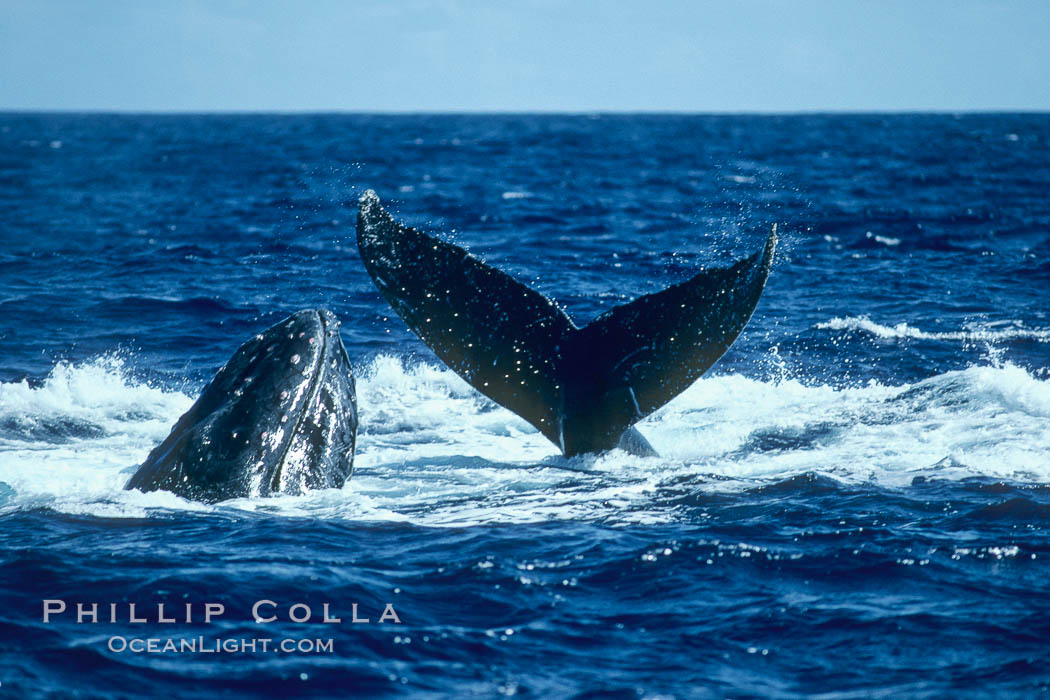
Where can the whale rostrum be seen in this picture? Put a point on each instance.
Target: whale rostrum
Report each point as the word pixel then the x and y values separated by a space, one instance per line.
pixel 279 417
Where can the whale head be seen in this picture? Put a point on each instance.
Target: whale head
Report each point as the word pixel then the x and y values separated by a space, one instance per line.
pixel 279 417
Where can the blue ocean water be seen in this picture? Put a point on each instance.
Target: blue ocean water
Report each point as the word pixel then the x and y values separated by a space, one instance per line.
pixel 854 501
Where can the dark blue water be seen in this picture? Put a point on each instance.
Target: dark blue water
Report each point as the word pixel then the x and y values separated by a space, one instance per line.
pixel 854 501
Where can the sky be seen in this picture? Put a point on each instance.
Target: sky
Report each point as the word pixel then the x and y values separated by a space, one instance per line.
pixel 525 55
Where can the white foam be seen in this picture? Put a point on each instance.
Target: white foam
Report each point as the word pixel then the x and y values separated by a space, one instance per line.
pixel 884 240
pixel 903 330
pixel 98 421
pixel 517 194
pixel 433 451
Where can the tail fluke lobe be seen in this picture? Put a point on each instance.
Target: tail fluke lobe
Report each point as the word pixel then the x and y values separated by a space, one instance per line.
pixel 501 336
pixel 581 388
pixel 635 358
pixel 640 355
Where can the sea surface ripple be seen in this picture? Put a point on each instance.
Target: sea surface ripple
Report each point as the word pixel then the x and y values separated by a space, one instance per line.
pixel 854 501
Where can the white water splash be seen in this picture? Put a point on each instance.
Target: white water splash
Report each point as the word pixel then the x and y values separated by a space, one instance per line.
pixel 433 451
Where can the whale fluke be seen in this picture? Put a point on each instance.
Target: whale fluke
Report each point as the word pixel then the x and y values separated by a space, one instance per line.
pixel 582 388
pixel 279 417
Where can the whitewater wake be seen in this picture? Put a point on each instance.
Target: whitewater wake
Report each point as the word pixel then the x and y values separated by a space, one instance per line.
pixel 433 451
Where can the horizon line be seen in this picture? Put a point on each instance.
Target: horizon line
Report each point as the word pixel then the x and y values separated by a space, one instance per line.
pixel 509 112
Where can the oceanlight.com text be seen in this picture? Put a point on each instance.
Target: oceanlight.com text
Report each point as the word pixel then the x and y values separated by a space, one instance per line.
pixel 219 645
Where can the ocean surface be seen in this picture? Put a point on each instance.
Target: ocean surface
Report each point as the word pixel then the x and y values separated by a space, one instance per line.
pixel 854 502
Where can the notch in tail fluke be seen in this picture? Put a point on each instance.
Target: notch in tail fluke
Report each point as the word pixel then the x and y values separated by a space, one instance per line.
pixel 582 389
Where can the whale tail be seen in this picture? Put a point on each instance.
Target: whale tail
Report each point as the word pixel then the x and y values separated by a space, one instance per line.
pixel 582 388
